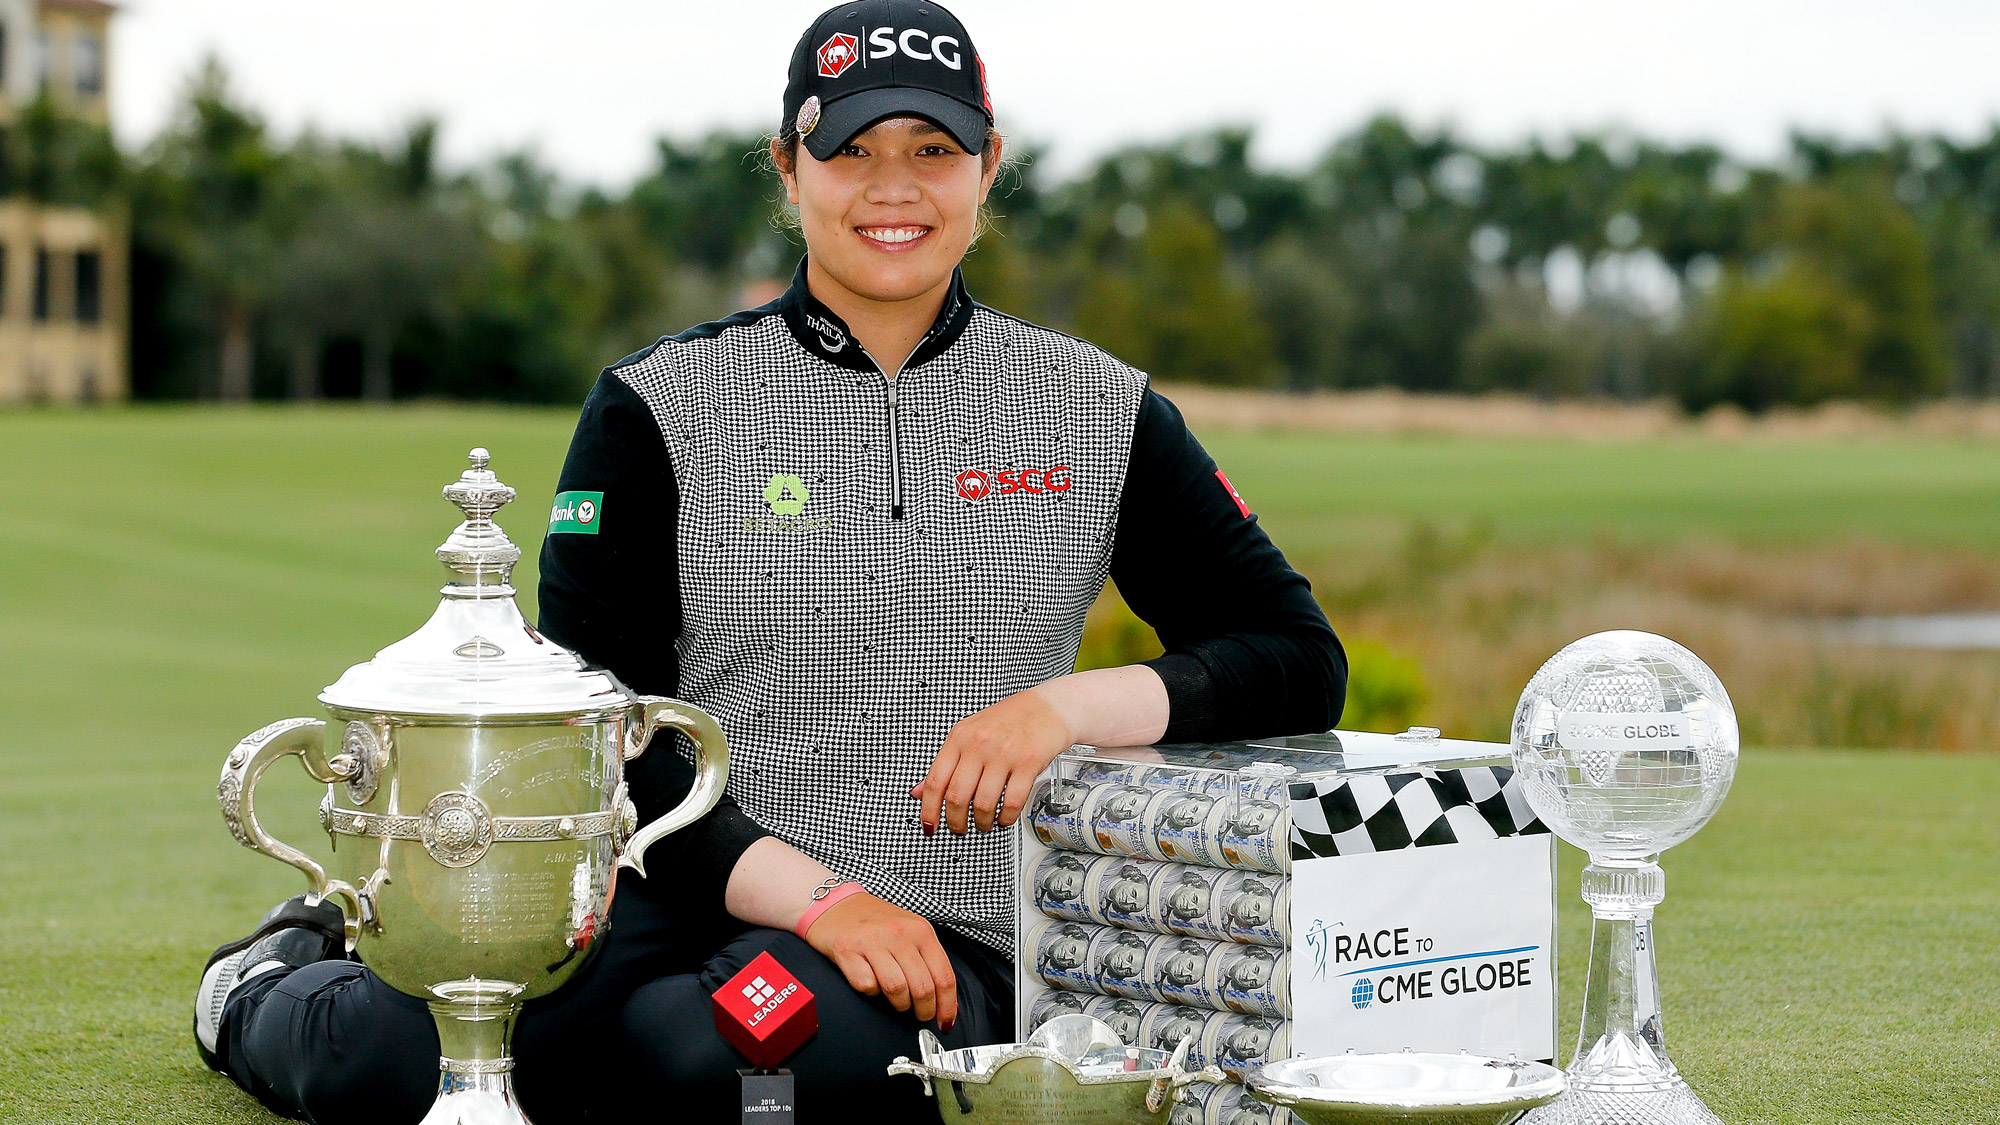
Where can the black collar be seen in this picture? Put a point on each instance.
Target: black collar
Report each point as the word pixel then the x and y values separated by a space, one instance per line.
pixel 825 335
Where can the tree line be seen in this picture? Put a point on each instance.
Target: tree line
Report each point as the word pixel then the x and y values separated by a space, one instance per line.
pixel 1602 264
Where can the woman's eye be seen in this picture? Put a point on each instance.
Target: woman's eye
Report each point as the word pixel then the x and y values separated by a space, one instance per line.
pixel 851 150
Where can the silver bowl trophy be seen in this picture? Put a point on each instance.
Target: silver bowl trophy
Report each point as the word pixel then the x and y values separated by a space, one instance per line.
pixel 476 805
pixel 1626 744
pixel 1074 1070
pixel 1410 1087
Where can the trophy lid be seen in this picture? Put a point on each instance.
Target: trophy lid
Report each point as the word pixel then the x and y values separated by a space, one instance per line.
pixel 477 657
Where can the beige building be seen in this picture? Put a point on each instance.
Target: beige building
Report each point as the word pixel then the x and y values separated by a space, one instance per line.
pixel 64 289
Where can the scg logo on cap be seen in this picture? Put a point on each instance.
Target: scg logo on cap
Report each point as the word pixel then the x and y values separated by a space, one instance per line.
pixel 842 50
pixel 884 41
pixel 837 54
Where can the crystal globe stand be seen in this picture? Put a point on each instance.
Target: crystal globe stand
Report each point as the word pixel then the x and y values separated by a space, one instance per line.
pixel 1621 1074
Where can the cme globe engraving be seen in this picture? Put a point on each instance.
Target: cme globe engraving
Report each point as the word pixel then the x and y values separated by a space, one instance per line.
pixel 1626 743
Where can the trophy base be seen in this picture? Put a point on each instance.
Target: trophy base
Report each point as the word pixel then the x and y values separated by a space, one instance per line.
pixel 1673 1104
pixel 475 1022
pixel 475 1099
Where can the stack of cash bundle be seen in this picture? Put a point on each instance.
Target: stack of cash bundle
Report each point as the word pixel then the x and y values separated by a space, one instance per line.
pixel 1163 908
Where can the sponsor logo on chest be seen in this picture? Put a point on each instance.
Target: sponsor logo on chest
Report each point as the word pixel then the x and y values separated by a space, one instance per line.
pixel 978 484
pixel 785 497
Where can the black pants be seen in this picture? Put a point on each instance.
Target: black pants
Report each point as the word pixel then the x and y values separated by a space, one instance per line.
pixel 630 1039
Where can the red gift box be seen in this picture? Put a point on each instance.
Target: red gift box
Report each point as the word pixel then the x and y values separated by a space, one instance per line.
pixel 765 1012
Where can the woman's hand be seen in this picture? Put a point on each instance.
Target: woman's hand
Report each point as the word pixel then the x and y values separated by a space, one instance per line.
pixel 995 751
pixel 1001 749
pixel 886 950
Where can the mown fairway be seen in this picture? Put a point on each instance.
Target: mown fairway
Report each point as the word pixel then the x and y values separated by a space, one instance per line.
pixel 172 579
pixel 1319 492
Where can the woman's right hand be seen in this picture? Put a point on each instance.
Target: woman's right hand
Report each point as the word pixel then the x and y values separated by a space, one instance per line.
pixel 886 950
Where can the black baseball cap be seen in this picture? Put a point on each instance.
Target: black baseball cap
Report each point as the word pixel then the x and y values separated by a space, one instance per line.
pixel 868 60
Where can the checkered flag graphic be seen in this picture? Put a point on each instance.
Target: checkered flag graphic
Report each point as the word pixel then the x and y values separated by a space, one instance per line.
pixel 1411 808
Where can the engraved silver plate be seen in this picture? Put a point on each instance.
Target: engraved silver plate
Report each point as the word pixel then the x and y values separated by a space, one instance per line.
pixel 1409 1087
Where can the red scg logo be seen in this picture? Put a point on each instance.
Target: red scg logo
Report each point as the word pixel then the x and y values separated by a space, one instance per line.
pixel 837 54
pixel 976 484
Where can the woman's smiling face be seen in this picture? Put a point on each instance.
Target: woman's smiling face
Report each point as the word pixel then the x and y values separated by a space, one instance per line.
pixel 890 215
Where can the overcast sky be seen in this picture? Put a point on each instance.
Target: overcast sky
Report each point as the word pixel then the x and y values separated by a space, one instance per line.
pixel 590 83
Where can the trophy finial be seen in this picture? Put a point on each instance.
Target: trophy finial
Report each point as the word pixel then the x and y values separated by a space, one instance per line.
pixel 477 492
pixel 479 554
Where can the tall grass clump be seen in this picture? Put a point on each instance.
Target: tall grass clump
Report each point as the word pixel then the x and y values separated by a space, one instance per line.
pixel 1447 627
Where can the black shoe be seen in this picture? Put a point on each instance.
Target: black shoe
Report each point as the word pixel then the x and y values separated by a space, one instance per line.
pixel 290 936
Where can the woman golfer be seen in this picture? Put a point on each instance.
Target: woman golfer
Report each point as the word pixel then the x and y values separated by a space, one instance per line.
pixel 860 525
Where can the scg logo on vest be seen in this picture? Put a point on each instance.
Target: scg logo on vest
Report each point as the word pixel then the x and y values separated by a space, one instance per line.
pixel 977 484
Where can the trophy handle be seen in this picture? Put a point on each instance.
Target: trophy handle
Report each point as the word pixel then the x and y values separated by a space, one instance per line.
pixel 711 769
pixel 903 1065
pixel 238 793
pixel 1169 1086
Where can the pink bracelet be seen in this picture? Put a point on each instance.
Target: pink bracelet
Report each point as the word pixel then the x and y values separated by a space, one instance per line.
pixel 824 904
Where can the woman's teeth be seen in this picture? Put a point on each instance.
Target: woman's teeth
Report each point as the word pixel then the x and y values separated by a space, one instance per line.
pixel 893 234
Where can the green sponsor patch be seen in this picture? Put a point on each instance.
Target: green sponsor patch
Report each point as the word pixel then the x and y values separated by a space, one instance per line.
pixel 577 512
pixel 786 494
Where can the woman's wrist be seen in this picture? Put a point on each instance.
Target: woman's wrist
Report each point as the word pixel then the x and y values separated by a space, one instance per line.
pixel 1109 706
pixel 773 883
pixel 825 897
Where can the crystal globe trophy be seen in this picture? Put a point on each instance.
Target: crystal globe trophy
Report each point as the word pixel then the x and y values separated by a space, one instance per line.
pixel 1625 744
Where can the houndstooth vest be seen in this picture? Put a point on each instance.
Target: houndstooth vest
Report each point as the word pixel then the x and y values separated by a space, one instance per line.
pixel 866 562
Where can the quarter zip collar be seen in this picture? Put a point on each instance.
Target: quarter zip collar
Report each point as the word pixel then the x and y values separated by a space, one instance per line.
pixel 825 335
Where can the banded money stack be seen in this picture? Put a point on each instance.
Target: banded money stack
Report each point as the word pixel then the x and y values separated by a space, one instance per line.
pixel 1157 893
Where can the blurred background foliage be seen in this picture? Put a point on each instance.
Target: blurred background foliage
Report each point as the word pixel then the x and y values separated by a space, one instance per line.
pixel 1603 265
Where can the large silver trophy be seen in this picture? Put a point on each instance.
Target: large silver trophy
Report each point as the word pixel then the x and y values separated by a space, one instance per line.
pixel 1626 744
pixel 476 805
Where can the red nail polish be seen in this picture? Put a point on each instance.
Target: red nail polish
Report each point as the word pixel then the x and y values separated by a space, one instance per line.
pixel 930 829
pixel 945 1028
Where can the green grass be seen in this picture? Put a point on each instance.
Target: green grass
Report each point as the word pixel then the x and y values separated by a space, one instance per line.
pixel 1323 493
pixel 172 579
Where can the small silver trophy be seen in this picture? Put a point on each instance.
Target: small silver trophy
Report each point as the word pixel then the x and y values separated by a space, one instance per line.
pixel 476 801
pixel 1074 1070
pixel 1626 744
